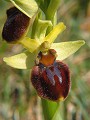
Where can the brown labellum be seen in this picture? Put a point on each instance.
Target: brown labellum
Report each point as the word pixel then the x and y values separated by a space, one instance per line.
pixel 15 25
pixel 51 82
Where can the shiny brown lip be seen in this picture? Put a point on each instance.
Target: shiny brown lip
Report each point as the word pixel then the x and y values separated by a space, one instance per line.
pixel 15 25
pixel 45 88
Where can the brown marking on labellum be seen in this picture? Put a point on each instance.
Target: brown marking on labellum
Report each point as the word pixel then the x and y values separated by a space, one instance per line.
pixel 43 85
pixel 48 58
pixel 15 25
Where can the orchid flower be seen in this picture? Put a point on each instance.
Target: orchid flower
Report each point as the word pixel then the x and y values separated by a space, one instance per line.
pixel 42 75
pixel 49 75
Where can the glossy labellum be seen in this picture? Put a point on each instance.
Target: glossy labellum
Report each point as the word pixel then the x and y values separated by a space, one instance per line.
pixel 15 26
pixel 53 81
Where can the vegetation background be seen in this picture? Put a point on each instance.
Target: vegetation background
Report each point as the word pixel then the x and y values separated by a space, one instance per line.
pixel 18 99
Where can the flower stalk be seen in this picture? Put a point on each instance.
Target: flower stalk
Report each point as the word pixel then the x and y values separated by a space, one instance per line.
pixel 51 109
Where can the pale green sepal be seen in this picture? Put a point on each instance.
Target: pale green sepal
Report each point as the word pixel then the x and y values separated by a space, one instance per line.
pixel 23 60
pixel 30 44
pixel 28 7
pixel 59 28
pixel 65 49
pixel 41 28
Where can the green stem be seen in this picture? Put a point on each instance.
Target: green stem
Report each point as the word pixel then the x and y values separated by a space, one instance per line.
pixel 51 109
pixel 51 13
pixel 52 8
pixel 54 21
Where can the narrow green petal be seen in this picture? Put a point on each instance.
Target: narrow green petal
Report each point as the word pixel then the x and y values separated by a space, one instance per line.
pixel 41 28
pixel 65 49
pixel 59 28
pixel 23 60
pixel 28 7
pixel 30 44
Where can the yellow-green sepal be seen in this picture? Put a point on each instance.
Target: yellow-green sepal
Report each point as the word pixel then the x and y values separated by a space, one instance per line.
pixel 58 29
pixel 23 60
pixel 28 7
pixel 65 49
pixel 30 44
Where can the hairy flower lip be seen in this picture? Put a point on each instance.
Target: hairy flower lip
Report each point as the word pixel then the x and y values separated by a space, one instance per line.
pixel 15 26
pixel 44 87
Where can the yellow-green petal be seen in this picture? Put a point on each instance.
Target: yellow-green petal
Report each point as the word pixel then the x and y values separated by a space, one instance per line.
pixel 65 49
pixel 59 28
pixel 23 60
pixel 28 7
pixel 30 44
pixel 41 28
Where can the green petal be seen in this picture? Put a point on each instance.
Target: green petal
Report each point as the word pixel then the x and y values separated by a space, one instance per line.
pixel 30 44
pixel 65 49
pixel 41 28
pixel 59 28
pixel 28 7
pixel 23 60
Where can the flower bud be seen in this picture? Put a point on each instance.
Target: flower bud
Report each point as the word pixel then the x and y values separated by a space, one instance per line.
pixel 52 81
pixel 15 26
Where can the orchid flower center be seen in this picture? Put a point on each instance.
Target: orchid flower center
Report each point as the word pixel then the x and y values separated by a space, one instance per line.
pixel 45 46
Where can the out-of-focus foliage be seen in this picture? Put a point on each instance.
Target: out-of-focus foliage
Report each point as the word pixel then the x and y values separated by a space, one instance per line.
pixel 76 14
pixel 18 100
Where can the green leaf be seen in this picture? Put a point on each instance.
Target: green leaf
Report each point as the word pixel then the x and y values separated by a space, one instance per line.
pixel 59 28
pixel 28 7
pixel 65 49
pixel 23 60
pixel 80 105
pixel 30 44
pixel 51 110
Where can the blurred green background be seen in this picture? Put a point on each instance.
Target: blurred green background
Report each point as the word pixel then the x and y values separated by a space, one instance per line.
pixel 18 100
